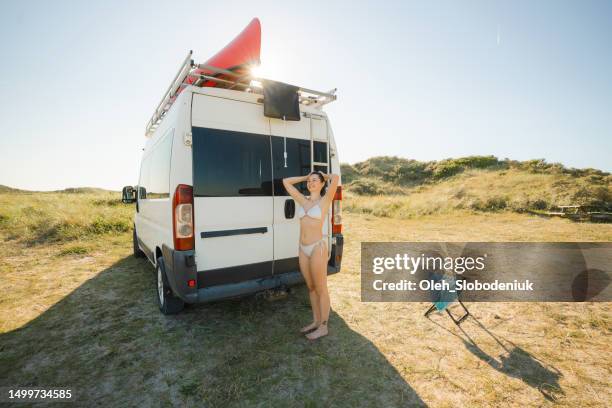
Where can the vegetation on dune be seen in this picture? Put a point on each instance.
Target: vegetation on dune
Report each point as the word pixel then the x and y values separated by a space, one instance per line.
pixel 408 172
pixel 396 186
pixel 82 190
pixel 7 189
pixel 57 217
pixel 382 186
pixel 73 190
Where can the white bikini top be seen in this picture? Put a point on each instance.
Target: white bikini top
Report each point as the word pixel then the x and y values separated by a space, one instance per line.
pixel 313 212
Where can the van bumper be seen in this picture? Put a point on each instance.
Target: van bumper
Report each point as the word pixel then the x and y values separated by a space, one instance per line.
pixel 231 290
pixel 180 268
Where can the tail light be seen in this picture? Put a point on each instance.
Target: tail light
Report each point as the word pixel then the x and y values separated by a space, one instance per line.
pixel 337 212
pixel 182 220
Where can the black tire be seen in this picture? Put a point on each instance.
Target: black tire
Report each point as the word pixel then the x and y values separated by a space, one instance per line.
pixel 166 300
pixel 137 251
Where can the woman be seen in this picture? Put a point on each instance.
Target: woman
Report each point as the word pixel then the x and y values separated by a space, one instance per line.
pixel 312 213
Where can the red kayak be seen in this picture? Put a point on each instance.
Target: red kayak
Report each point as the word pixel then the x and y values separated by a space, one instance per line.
pixel 237 56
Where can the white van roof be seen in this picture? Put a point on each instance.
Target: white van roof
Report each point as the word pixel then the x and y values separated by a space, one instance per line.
pixel 243 84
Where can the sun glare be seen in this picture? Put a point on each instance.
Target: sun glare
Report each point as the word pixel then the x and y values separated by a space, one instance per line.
pixel 256 71
pixel 270 70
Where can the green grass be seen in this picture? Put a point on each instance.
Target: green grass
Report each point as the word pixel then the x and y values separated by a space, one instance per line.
pixel 42 218
pixel 78 310
pixel 74 250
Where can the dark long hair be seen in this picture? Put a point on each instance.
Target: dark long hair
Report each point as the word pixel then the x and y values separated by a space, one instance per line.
pixel 318 173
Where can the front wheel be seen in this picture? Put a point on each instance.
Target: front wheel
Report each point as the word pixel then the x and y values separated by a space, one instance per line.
pixel 166 300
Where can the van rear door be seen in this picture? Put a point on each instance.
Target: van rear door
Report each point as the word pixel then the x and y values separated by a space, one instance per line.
pixel 232 186
pixel 306 145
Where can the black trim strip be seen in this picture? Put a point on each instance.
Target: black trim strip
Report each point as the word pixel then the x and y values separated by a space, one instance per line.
pixel 286 265
pixel 225 233
pixel 234 274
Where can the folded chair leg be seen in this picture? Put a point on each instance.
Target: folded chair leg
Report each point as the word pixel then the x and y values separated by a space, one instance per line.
pixel 431 309
pixel 462 318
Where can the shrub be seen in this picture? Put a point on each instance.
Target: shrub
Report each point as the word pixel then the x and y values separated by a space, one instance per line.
pixel 450 167
pixel 539 204
pixel 477 162
pixel 445 168
pixel 348 173
pixel 594 196
pixel 535 165
pixel 58 231
pixel 365 187
pixel 490 204
pixel 101 225
pixel 377 166
pixel 408 172
pixel 107 202
pixel 74 250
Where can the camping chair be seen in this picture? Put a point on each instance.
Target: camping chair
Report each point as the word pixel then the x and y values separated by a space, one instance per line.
pixel 442 299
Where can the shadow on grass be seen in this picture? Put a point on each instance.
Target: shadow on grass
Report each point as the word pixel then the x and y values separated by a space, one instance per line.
pixel 513 361
pixel 109 343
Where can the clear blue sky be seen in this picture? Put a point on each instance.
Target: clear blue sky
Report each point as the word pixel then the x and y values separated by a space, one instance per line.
pixel 425 80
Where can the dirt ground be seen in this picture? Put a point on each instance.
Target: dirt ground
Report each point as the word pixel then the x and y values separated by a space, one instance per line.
pixel 87 319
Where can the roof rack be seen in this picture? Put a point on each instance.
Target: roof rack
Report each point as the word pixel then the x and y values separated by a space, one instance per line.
pixel 236 80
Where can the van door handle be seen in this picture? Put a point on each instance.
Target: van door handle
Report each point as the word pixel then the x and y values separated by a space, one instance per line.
pixel 289 208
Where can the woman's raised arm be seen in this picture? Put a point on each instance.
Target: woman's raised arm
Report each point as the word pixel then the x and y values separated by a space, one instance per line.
pixel 331 190
pixel 294 192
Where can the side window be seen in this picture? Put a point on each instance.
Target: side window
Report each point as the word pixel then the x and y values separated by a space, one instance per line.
pixel 143 183
pixel 159 176
pixel 230 164
pixel 155 171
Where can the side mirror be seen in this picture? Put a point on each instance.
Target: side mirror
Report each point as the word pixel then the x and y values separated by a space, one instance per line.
pixel 128 195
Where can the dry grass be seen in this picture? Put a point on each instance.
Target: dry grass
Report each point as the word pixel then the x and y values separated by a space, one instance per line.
pixel 478 191
pixel 80 311
pixel 41 218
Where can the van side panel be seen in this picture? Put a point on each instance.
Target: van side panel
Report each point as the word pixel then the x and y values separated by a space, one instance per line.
pixel 153 220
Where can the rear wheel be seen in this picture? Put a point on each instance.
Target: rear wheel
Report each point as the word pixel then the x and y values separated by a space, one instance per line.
pixel 137 251
pixel 166 300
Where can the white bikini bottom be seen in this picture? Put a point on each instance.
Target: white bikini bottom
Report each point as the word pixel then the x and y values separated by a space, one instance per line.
pixel 307 249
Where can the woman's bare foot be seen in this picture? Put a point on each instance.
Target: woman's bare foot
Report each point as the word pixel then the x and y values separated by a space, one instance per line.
pixel 310 327
pixel 320 332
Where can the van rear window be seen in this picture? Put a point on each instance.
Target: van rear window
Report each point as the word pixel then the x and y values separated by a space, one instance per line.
pixel 297 163
pixel 230 164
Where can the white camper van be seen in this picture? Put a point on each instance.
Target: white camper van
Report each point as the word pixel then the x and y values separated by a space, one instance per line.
pixel 212 214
